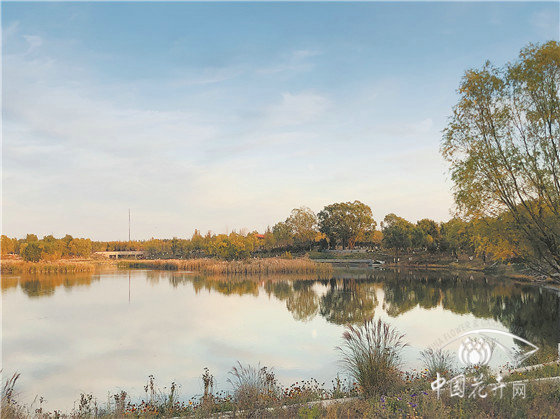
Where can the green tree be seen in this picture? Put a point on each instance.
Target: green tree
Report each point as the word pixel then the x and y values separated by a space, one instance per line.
pixel 503 143
pixel 397 233
pixel 456 237
pixel 346 223
pixel 31 251
pixel 431 234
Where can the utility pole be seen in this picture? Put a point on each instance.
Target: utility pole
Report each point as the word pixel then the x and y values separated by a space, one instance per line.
pixel 129 225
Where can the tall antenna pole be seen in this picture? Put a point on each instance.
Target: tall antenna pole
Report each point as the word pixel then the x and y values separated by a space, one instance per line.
pixel 129 224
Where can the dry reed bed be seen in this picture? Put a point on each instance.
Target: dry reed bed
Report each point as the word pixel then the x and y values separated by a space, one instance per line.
pixel 61 266
pixel 219 267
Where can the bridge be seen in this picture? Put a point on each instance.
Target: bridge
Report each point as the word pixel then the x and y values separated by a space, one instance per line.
pixel 119 254
pixel 369 262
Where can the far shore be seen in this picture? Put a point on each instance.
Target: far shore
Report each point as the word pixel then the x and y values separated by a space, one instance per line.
pixel 273 265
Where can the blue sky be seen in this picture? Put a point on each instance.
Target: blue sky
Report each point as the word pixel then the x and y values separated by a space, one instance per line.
pixel 222 116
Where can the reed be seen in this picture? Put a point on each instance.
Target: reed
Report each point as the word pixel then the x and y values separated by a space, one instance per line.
pixel 437 361
pixel 371 354
pixel 267 266
pixel 253 387
pixel 61 266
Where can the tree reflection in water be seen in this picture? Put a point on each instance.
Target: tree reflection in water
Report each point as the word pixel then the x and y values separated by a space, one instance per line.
pixel 353 296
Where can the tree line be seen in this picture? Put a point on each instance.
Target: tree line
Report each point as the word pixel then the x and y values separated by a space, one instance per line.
pixel 343 225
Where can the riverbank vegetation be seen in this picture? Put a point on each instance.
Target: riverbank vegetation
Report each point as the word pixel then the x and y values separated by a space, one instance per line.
pixel 266 266
pixel 60 266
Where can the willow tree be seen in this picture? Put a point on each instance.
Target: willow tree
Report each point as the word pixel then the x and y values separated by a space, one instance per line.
pixel 503 143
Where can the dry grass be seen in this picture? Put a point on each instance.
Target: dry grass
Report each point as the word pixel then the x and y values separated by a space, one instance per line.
pixel 371 354
pixel 437 360
pixel 250 267
pixel 253 387
pixel 9 407
pixel 61 266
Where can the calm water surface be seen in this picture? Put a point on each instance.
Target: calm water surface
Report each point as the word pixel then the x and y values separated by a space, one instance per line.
pixel 107 332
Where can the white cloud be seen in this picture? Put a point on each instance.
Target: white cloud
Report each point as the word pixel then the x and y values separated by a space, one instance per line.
pixel 294 62
pixel 297 109
pixel 34 42
pixel 80 150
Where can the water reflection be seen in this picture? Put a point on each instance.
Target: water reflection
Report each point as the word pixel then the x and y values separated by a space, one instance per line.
pixel 45 285
pixel 352 296
pixel 525 310
pixel 122 326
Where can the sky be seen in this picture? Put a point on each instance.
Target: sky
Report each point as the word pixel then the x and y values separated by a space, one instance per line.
pixel 223 116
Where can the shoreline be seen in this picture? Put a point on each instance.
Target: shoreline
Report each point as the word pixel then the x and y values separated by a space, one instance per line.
pixel 252 267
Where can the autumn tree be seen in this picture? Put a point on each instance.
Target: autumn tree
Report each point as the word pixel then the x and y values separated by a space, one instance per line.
pixel 346 223
pixel 303 225
pixel 503 146
pixel 8 245
pixel 283 235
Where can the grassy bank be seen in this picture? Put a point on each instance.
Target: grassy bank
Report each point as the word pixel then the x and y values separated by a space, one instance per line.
pixel 61 266
pixel 256 393
pixel 219 267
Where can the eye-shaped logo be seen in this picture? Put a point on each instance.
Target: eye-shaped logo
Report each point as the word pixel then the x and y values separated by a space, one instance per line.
pixel 477 347
pixel 475 351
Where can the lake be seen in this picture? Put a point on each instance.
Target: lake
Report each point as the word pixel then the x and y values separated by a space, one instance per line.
pixel 101 333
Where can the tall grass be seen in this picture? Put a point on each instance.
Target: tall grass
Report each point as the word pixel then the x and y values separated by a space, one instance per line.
pixel 9 408
pixel 371 354
pixel 220 267
pixel 61 266
pixel 435 361
pixel 253 386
